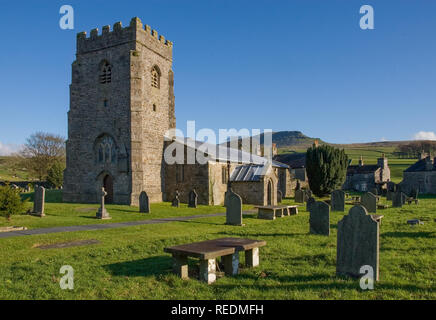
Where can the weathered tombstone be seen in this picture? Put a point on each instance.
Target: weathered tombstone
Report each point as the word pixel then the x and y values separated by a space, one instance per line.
pixel 192 199
pixel 358 243
pixel 233 208
pixel 299 196
pixel 389 195
pixel 176 200
pixel 338 200
pixel 398 199
pixel 309 203
pixel 144 203
pixel 369 201
pixel 320 218
pixel 279 196
pixel 39 202
pixel 102 212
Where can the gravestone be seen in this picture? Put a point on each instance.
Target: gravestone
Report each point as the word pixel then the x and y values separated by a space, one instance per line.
pixel 39 202
pixel 357 243
pixel 233 208
pixel 144 203
pixel 374 191
pixel 308 195
pixel 176 200
pixel 192 199
pixel 338 200
pixel 391 186
pixel 398 199
pixel 279 196
pixel 102 213
pixel 369 201
pixel 299 196
pixel 309 203
pixel 389 195
pixel 320 218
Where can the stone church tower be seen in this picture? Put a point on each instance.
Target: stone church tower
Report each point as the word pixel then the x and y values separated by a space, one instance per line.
pixel 121 105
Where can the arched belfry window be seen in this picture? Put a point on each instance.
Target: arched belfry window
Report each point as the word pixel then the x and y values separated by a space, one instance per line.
pixel 155 77
pixel 106 150
pixel 105 73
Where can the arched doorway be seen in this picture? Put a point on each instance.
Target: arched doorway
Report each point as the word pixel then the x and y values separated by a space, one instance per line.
pixel 269 193
pixel 108 184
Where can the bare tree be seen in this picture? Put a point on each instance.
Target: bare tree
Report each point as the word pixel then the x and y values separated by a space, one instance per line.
pixel 41 151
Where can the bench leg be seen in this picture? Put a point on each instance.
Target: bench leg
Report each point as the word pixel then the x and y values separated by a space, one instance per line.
pixel 252 257
pixel 208 270
pixel 180 266
pixel 231 264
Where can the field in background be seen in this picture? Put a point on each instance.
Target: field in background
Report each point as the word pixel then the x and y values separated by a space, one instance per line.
pixel 9 174
pixel 370 154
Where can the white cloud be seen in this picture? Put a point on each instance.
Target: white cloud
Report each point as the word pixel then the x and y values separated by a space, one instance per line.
pixel 8 149
pixel 425 135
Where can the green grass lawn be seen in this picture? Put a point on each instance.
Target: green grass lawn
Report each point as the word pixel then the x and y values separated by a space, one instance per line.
pixel 71 214
pixel 129 263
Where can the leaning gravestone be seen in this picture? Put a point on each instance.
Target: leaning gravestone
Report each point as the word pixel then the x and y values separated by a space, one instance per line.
pixel 39 202
pixel 299 196
pixel 338 200
pixel 279 196
pixel 369 201
pixel 358 243
pixel 192 199
pixel 233 208
pixel 176 200
pixel 320 218
pixel 144 203
pixel 102 213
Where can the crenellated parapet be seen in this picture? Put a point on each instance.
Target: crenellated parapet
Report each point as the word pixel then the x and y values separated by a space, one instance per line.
pixel 135 32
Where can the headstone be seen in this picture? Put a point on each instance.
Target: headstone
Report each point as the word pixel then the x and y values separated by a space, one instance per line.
pixel 102 213
pixel 389 195
pixel 176 200
pixel 320 218
pixel 338 200
pixel 279 196
pixel 233 208
pixel 309 203
pixel 358 243
pixel 144 203
pixel 369 201
pixel 374 191
pixel 192 199
pixel 414 221
pixel 391 186
pixel 299 196
pixel 398 199
pixel 39 202
pixel 308 195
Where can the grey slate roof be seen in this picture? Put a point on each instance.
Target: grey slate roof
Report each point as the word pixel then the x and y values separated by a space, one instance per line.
pixel 223 153
pixel 419 166
pixel 362 169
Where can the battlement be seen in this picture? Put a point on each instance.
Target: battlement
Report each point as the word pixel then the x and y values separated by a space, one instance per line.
pixel 136 31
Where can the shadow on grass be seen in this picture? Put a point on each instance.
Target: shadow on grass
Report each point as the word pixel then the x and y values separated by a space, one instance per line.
pixel 157 265
pixel 399 234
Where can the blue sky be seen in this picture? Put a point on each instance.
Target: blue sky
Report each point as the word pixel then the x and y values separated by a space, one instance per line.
pixel 281 65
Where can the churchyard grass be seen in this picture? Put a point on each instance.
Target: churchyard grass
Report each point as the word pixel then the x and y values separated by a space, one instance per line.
pixel 72 214
pixel 129 262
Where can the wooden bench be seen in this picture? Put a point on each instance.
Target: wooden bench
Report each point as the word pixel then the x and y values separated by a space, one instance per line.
pixel 272 212
pixel 208 251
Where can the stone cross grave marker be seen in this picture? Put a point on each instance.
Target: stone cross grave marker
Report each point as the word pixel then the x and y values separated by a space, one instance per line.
pixel 144 202
pixel 338 200
pixel 357 243
pixel 320 218
pixel 176 200
pixel 102 212
pixel 369 201
pixel 39 202
pixel 233 208
pixel 192 199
